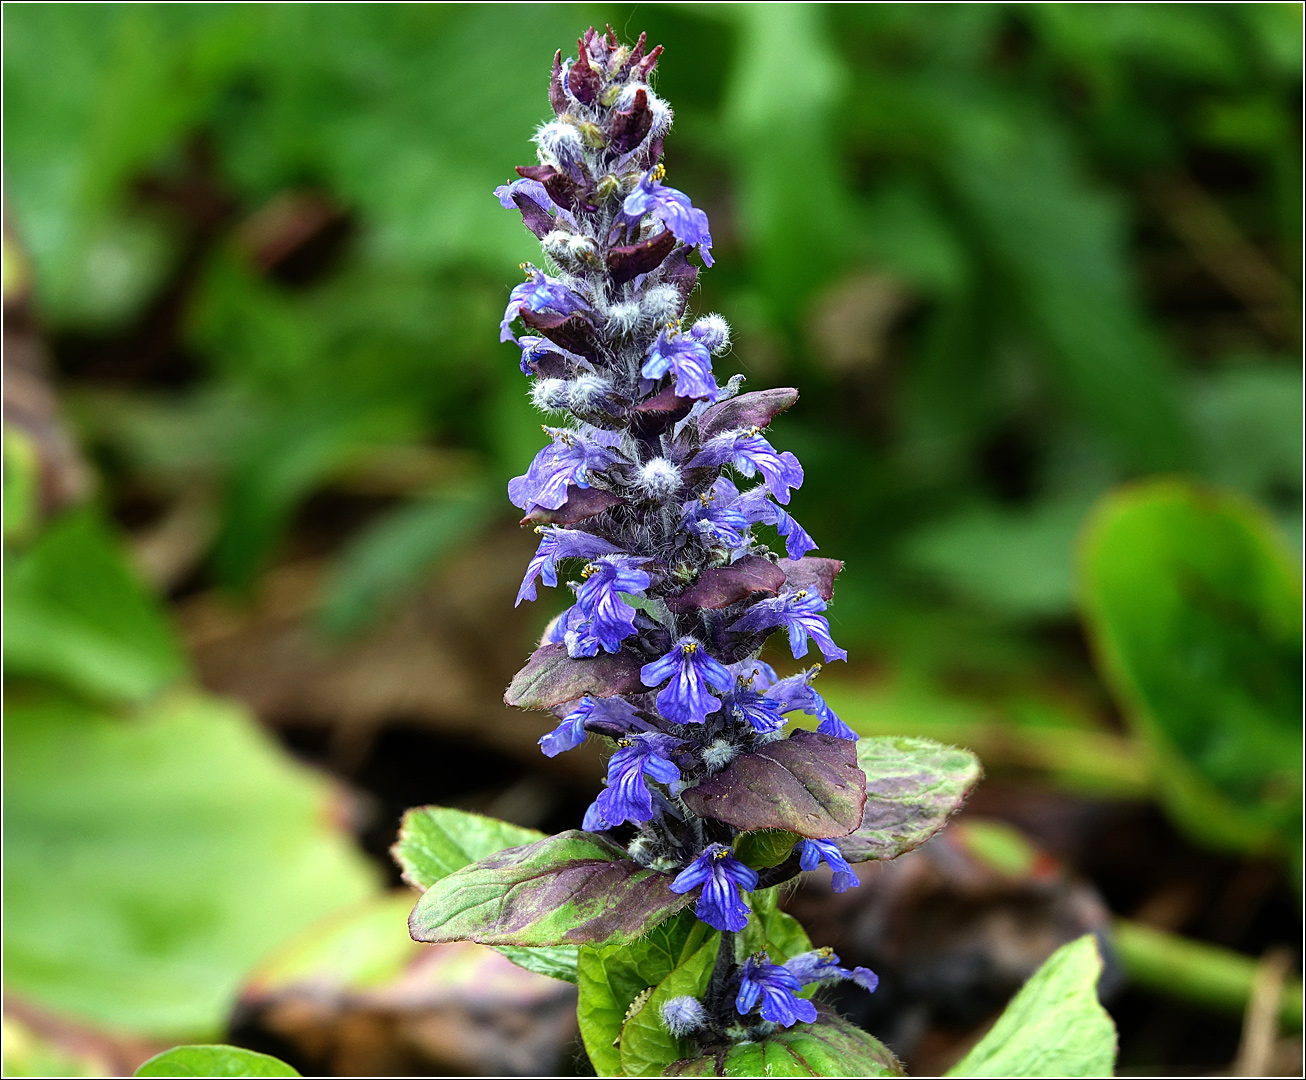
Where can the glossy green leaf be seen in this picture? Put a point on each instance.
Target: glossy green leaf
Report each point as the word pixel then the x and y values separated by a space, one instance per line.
pixel 21 482
pixel 765 847
pixel 912 787
pixel 214 1061
pixel 832 1046
pixel 152 860
pixel 647 1047
pixel 1054 1026
pixel 612 978
pixel 771 930
pixel 434 841
pixel 77 613
pixel 1194 607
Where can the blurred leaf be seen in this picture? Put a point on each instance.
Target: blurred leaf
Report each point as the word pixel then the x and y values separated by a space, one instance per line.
pixel 611 979
pixel 395 552
pixel 77 613
pixel 1249 421
pixel 1054 1026
pixel 214 1061
pixel 779 108
pixel 1194 606
pixel 772 930
pixel 21 485
pixel 26 1053
pixel 1018 563
pixel 151 862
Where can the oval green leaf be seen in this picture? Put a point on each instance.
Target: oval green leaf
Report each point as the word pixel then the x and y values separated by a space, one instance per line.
pixel 214 1061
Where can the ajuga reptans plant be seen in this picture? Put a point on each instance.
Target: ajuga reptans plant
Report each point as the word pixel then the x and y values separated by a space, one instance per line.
pixel 653 501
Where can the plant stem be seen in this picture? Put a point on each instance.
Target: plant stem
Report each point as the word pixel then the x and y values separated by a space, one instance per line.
pixel 719 984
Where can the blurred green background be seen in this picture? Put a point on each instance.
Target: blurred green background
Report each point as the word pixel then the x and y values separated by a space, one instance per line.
pixel 1014 256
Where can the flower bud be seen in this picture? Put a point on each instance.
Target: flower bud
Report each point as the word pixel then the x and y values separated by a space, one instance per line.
pixel 659 479
pixel 714 333
pixel 683 1015
pixel 559 142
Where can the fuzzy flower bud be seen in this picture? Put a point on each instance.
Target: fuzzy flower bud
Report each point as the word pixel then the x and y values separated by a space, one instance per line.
pixel 683 1015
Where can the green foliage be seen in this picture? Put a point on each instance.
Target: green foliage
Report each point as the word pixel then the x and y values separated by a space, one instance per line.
pixel 765 847
pixel 1194 604
pixel 150 861
pixel 434 841
pixel 21 486
pixel 1054 1026
pixel 390 556
pixel 832 1046
pixel 77 614
pixel 214 1061
pixel 646 1046
pixel 614 977
pixel 771 930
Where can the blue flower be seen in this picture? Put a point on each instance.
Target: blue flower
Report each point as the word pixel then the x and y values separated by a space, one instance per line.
pixel 532 189
pixel 777 988
pixel 822 966
pixel 612 620
pixel 750 453
pixel 811 852
pixel 566 460
pixel 716 518
pixel 723 877
pixel 627 797
pixel 757 709
pixel 799 613
pixel 573 629
pixel 570 733
pixel 692 671
pixel 796 692
pixel 536 295
pixel 559 544
pixel 757 507
pixel 689 358
pixel 671 207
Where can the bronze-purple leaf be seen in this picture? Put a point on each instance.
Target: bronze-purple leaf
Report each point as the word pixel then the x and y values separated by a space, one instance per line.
pixel 574 888
pixel 808 783
pixel 728 585
pixel 573 332
pixel 627 263
pixel 654 416
pixel 581 503
pixel 812 574
pixel 533 215
pixel 677 270
pixel 746 411
pixel 913 786
pixel 630 126
pixel 551 677
pixel 557 96
pixel 583 81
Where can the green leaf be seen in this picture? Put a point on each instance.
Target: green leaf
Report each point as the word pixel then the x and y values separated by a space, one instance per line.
pixel 912 787
pixel 213 1061
pixel 434 841
pixel 151 862
pixel 1194 608
pixel 765 847
pixel 21 480
pixel 647 1047
pixel 1054 1026
pixel 391 555
pixel 612 978
pixel 770 929
pixel 76 613
pixel 832 1046
pixel 575 888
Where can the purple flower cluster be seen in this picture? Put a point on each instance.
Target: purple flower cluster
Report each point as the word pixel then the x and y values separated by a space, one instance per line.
pixel 638 496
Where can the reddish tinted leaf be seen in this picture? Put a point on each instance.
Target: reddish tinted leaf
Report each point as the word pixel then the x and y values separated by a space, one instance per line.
pixel 571 889
pixel 814 574
pixel 808 783
pixel 747 411
pixel 581 503
pixel 913 786
pixel 625 263
pixel 728 585
pixel 551 677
